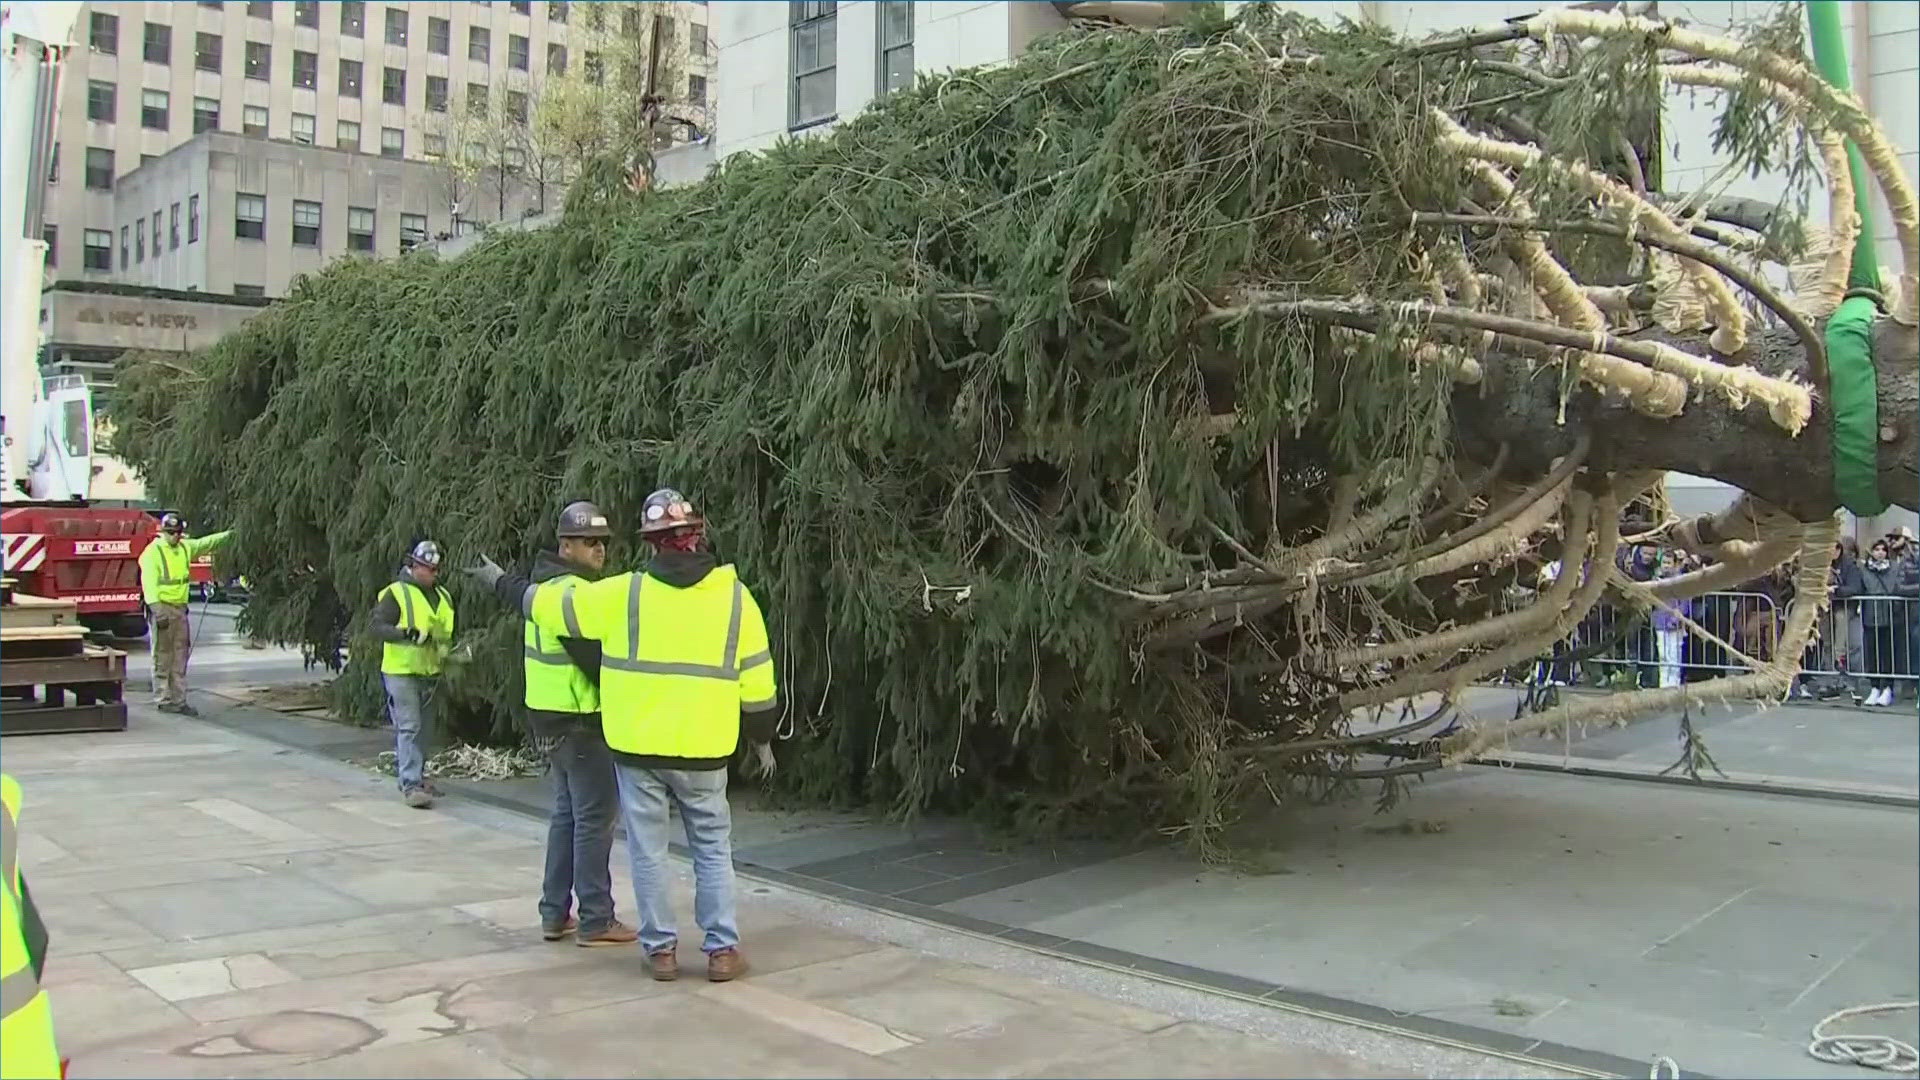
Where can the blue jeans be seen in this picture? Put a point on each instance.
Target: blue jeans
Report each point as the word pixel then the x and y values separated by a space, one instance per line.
pixel 580 833
pixel 701 797
pixel 409 706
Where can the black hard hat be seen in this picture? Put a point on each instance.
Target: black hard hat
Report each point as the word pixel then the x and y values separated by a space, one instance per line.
pixel 171 523
pixel 425 553
pixel 667 510
pixel 583 519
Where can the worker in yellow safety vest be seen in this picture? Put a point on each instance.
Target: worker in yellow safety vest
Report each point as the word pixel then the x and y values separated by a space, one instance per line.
pixel 563 718
pixel 26 1019
pixel 413 620
pixel 684 665
pixel 165 567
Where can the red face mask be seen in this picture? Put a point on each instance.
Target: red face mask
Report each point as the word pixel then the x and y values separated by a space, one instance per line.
pixel 683 540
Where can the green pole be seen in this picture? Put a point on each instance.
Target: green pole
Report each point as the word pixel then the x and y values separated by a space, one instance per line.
pixel 1852 383
pixel 1830 57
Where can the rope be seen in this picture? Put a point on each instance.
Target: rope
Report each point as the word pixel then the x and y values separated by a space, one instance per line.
pixel 1883 1052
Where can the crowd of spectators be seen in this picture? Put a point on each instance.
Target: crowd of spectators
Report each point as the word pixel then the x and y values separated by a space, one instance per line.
pixel 1866 647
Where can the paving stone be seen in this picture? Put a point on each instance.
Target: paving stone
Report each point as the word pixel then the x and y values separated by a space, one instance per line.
pixel 218 975
pixel 1021 1044
pixel 262 902
pixel 1049 998
pixel 453 1055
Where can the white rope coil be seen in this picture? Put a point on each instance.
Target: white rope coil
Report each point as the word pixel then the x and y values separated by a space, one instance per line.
pixel 1883 1052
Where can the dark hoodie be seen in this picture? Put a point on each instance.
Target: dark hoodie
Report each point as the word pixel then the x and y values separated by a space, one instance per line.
pixel 681 570
pixel 585 654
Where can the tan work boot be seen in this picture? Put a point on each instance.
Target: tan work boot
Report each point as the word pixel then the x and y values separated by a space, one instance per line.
pixel 664 965
pixel 555 933
pixel 417 798
pixel 615 933
pixel 724 965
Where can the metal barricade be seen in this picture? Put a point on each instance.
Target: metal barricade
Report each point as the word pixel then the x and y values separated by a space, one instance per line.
pixel 1870 638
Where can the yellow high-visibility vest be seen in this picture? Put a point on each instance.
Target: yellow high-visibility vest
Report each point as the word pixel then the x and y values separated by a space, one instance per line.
pixel 677 666
pixel 27 1051
pixel 165 569
pixel 554 684
pixel 435 625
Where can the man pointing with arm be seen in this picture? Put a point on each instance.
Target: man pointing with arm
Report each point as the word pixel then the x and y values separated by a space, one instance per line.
pixel 685 664
pixel 165 566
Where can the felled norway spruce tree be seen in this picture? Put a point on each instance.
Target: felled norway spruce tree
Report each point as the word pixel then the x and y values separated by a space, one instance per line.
pixel 1123 433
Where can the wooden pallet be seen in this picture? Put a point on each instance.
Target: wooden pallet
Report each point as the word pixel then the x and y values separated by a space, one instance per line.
pixel 28 612
pixel 52 680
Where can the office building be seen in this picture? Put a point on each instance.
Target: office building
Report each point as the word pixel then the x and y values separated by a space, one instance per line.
pixel 374 80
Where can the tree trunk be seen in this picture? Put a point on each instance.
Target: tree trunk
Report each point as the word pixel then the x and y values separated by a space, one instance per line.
pixel 1519 404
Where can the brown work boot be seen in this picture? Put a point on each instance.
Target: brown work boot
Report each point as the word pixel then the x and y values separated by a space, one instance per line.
pixel 664 965
pixel 725 965
pixel 615 933
pixel 555 933
pixel 417 798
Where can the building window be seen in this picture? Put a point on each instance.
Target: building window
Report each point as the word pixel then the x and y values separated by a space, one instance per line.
pixel 521 7
pixel 259 60
pixel 97 254
pixel 140 242
pixel 479 44
pixel 477 104
pixel 306 13
pixel 303 128
pixel 436 93
pixel 123 247
pixel 249 290
pixel 557 12
pixel 896 46
pixel 156 234
pixel 206 52
pixel 193 219
pixel 696 39
pixel 439 36
pixel 434 145
pixel 259 10
pixel 514 158
pixel 103 100
pixel 814 37
pixel 393 86
pixel 99 168
pixel 103 33
pixel 697 91
pixel 517 106
pixel 630 21
pixel 253 120
pixel 396 26
pixel 413 231
pixel 158 46
pixel 593 69
pixel 306 223
pixel 519 52
pixel 556 60
pixel 173 227
pixel 250 216
pixel 306 69
pixel 206 114
pixel 393 142
pixel 347 135
pixel 596 17
pixel 353 18
pixel 216 5
pixel 359 228
pixel 153 109
pixel 350 79
pixel 50 235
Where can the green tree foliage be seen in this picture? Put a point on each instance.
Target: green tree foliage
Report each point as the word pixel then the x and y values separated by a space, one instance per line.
pixel 947 382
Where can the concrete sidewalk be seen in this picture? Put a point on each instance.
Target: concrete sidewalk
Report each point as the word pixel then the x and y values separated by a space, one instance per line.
pixel 223 906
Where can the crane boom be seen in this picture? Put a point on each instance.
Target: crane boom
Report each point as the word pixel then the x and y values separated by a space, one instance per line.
pixel 37 35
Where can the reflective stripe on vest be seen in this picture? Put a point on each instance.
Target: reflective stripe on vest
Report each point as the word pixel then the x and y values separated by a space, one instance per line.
pixel 168 575
pixel 684 700
pixel 729 668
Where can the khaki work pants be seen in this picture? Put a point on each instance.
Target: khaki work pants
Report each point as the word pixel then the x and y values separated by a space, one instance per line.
pixel 172 642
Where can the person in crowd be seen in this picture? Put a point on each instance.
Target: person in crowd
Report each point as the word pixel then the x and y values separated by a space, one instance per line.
pixel 1669 631
pixel 413 620
pixel 166 566
pixel 1882 583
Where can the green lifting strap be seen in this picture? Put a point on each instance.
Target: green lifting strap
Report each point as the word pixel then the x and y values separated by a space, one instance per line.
pixel 1853 387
